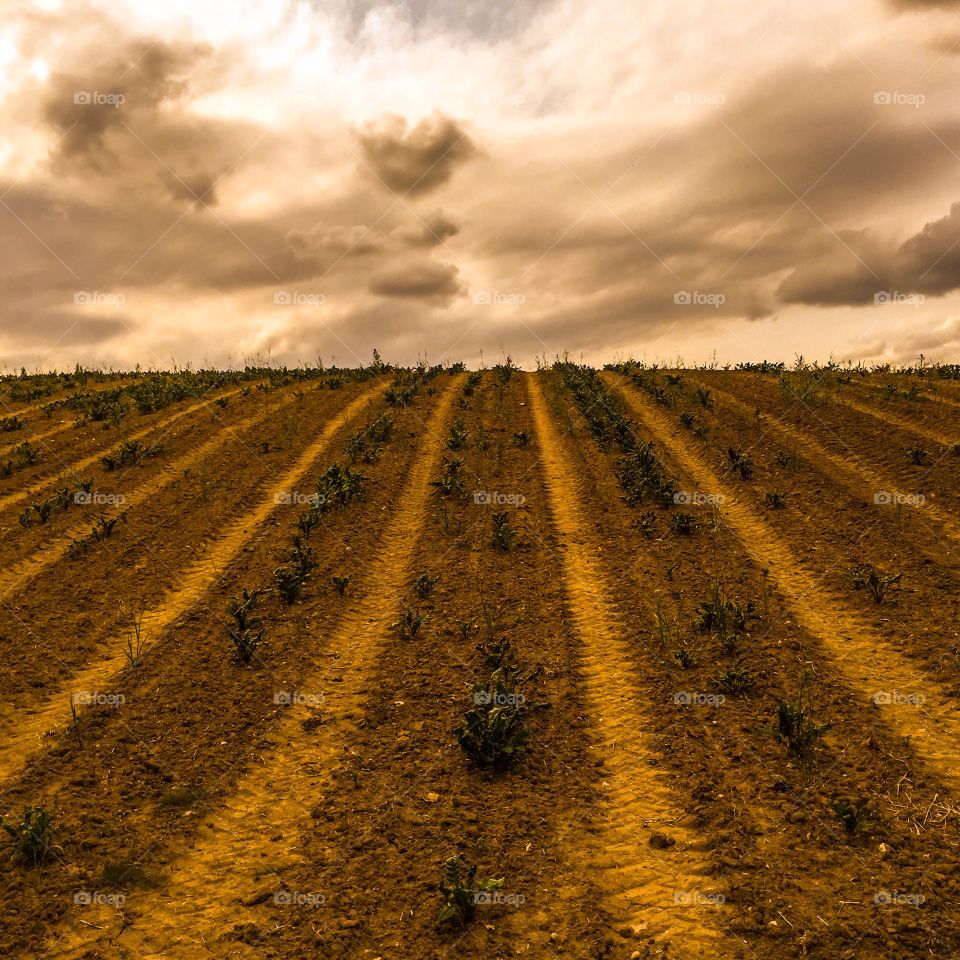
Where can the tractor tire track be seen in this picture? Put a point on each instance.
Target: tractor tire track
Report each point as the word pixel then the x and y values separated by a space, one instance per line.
pixel 26 739
pixel 14 579
pixel 18 496
pixel 901 423
pixel 862 662
pixel 642 881
pixel 856 479
pixel 259 825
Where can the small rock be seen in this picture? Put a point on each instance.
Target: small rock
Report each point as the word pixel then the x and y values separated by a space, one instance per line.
pixel 431 797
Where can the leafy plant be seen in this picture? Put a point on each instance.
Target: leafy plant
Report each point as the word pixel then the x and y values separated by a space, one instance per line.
pixel 725 617
pixel 683 524
pixel 521 438
pixel 498 655
pixel 458 436
pixel 735 681
pixel 408 626
pixel 855 817
pixel 647 524
pixel 794 725
pixel 246 632
pixel 450 483
pixel 874 581
pixel 739 462
pixel 704 395
pixel 341 583
pixel 423 585
pixel 459 888
pixel 775 500
pixel 503 535
pixel 918 456
pixel 33 835
pixel 493 733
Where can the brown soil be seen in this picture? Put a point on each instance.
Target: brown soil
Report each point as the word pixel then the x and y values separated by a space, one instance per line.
pixel 653 814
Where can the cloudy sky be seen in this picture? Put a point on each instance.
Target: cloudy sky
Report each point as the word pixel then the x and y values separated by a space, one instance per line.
pixel 214 181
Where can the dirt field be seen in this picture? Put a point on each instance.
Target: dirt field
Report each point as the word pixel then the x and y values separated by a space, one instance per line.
pixel 673 654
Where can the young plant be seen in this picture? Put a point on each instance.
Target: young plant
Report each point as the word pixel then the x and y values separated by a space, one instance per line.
pixel 423 585
pixel 503 535
pixel 739 462
pixel 458 436
pixel 246 632
pixel 735 681
pixel 341 583
pixel 521 438
pixel 135 641
pixel 725 618
pixel 775 500
pixel 876 583
pixel 794 726
pixel 683 524
pixel 288 582
pixel 459 889
pixel 704 395
pixel 408 626
pixel 493 733
pixel 918 456
pixel 450 484
pixel 33 835
pixel 855 817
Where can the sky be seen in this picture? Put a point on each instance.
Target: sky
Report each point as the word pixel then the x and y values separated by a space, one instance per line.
pixel 215 183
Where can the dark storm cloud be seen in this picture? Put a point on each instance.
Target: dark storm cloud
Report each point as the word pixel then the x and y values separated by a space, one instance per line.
pixel 128 122
pixel 932 257
pixel 84 108
pixel 927 263
pixel 432 282
pixel 414 161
